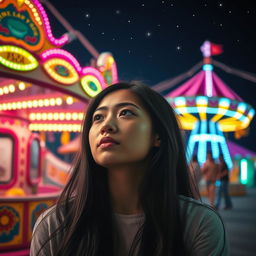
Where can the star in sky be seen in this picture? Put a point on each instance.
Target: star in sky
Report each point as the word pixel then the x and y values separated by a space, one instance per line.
pixel 148 34
pixel 87 15
pixel 220 4
pixel 178 48
pixel 118 11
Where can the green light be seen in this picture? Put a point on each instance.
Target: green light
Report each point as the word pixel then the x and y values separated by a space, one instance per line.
pixel 16 58
pixel 243 166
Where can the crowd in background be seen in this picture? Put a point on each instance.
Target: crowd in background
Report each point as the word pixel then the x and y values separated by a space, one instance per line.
pixel 213 172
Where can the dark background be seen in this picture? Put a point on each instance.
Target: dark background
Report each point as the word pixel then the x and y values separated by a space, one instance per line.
pixel 156 40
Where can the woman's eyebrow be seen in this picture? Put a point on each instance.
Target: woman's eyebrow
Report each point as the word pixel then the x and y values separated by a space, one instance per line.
pixel 122 104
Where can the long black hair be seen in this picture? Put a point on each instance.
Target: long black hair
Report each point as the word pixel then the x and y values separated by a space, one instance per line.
pixel 87 225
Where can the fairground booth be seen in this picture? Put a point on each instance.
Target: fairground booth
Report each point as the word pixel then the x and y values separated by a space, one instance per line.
pixel 44 91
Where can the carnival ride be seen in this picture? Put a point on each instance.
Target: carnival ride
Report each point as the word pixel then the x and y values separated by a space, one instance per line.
pixel 43 89
pixel 208 108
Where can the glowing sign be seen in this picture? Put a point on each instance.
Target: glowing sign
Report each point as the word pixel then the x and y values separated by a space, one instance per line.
pixel 17 58
pixel 61 71
pixel 61 54
pixel 21 24
pixel 92 82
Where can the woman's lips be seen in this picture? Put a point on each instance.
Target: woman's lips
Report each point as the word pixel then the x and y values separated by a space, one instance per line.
pixel 107 145
pixel 107 142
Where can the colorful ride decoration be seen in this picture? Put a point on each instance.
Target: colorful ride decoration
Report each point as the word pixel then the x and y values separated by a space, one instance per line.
pixel 43 90
pixel 28 45
pixel 207 107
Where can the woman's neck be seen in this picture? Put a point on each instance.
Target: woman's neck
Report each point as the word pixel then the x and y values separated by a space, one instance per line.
pixel 124 189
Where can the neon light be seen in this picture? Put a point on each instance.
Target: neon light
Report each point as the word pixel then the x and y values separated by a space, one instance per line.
pixel 12 56
pixel 207 137
pixel 191 142
pixel 244 171
pixel 55 127
pixel 22 86
pixel 92 82
pixel 58 42
pixel 69 100
pixel 91 85
pixel 70 75
pixel 202 100
pixel 214 143
pixel 34 11
pixel 180 101
pixel 59 53
pixel 208 81
pixel 242 107
pixel 251 113
pixel 45 116
pixel 31 103
pixel 224 102
pixel 202 143
pixel 207 67
pixel 7 89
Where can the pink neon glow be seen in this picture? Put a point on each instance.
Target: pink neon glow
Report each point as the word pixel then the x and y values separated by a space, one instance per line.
pixel 48 54
pixel 94 72
pixel 190 88
pixel 58 42
pixel 208 83
pixel 14 157
pixel 196 86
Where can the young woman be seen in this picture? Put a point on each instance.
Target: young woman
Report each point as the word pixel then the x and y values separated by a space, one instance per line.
pixel 129 192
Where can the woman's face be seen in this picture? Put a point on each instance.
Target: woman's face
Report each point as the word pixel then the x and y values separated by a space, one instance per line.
pixel 121 131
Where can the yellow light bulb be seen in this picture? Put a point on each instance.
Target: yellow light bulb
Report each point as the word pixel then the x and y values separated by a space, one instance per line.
pixel 69 100
pixel 6 90
pixel 11 88
pixel 22 86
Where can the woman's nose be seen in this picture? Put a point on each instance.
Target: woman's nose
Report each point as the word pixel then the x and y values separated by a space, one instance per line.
pixel 109 126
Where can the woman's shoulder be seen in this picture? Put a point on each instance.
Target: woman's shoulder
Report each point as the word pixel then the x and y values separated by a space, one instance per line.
pixel 197 209
pixel 204 230
pixel 45 232
pixel 49 217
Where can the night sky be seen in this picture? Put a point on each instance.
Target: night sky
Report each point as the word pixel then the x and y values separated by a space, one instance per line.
pixel 153 41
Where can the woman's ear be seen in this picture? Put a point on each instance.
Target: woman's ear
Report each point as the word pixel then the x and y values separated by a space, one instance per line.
pixel 157 141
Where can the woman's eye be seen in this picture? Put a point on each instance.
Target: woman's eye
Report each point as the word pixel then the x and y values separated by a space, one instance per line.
pixel 97 117
pixel 126 112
